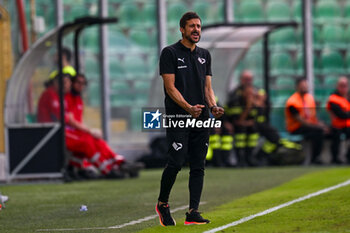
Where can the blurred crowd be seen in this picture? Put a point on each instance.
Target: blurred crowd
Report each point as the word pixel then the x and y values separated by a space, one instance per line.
pixel 248 139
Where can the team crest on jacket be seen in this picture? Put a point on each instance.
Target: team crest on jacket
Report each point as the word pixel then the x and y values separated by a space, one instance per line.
pixel 201 60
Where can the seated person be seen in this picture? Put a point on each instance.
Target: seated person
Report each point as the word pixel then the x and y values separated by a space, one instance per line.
pixel 339 109
pixel 243 117
pixel 75 107
pixel 77 141
pixel 273 142
pixel 301 118
pixel 49 101
pixel 221 144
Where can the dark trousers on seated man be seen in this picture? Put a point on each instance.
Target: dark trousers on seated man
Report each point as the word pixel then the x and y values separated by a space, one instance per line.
pixel 335 144
pixel 316 136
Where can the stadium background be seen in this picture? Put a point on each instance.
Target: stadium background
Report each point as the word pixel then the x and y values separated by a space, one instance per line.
pixel 133 50
pixel 230 194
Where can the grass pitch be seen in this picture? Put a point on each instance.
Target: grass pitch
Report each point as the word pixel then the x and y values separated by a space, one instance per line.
pixel 229 195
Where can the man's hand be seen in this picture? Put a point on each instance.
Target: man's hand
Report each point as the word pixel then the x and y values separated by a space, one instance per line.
pixel 196 110
pixel 96 133
pixel 324 127
pixel 217 111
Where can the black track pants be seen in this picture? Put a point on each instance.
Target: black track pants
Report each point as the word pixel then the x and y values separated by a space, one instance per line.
pixel 191 144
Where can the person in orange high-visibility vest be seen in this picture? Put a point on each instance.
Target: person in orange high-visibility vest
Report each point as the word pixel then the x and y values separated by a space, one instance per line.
pixel 301 118
pixel 339 109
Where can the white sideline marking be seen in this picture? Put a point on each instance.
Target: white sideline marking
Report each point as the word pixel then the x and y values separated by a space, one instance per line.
pixel 245 219
pixel 134 222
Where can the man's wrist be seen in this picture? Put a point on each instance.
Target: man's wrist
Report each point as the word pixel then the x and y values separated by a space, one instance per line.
pixel 188 108
pixel 211 108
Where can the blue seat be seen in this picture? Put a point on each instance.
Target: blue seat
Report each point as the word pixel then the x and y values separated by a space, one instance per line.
pixel 333 36
pixel 120 87
pixel 136 67
pixel 282 64
pixel 121 100
pixel 327 11
pixel 90 39
pixel 251 11
pixel 149 14
pixel 141 99
pixel 331 81
pixel 136 119
pixel 94 94
pixel 144 38
pixel 278 11
pixel 219 14
pixel 253 61
pixel 285 82
pixel 118 42
pixel 332 62
pixel 116 70
pixel 129 14
pixel 300 64
pixel 92 66
pixel 175 11
pixel 284 38
pixel 173 35
pixel 205 10
pixel 142 85
pixel 297 11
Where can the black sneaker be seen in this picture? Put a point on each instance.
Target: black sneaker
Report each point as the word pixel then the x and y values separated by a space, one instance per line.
pixel 195 218
pixel 165 218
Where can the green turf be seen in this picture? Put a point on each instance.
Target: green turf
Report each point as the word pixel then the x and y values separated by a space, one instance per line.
pixel 42 206
pixel 329 212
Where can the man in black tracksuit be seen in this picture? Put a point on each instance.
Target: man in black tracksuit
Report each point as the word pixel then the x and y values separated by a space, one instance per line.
pixel 186 72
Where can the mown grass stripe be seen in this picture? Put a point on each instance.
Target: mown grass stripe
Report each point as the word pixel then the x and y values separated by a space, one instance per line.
pixel 117 226
pixel 248 218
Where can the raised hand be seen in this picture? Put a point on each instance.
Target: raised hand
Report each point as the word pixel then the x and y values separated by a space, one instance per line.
pixel 196 110
pixel 217 111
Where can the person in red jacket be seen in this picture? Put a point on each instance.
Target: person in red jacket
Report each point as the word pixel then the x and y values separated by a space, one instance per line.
pixel 77 141
pixel 339 108
pixel 49 101
pixel 49 111
pixel 75 107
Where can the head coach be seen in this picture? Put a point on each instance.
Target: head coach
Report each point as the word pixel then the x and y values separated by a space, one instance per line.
pixel 186 72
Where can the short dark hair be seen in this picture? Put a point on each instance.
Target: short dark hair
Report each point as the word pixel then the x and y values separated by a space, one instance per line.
pixel 66 52
pixel 299 80
pixel 188 16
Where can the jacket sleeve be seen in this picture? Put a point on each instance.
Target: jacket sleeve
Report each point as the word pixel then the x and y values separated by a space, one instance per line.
pixel 293 110
pixel 338 111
